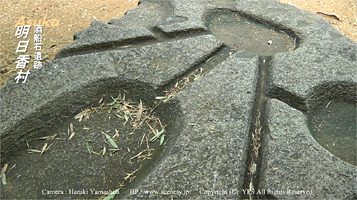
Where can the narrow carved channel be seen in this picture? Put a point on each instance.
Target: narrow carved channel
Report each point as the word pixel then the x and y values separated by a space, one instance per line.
pixel 257 129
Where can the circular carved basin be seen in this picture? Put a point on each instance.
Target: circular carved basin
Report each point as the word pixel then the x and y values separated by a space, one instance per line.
pixel 333 125
pixel 243 34
pixel 332 119
pixel 90 159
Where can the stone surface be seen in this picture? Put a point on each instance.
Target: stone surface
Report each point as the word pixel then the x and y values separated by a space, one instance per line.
pixel 294 162
pixel 211 150
pixel 160 63
pixel 208 152
pixel 310 66
pixel 101 35
pixel 147 14
pixel 74 83
pixel 186 18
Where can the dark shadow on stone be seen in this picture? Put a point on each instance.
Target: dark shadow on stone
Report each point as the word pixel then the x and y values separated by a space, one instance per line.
pixel 345 91
pixel 180 33
pixel 287 97
pixel 101 37
pixel 86 49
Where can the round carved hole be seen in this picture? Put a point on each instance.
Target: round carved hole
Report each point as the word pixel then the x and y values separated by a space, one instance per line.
pixel 243 34
pixel 93 153
pixel 332 122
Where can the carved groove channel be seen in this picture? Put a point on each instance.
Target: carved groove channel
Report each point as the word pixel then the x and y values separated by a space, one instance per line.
pixel 244 33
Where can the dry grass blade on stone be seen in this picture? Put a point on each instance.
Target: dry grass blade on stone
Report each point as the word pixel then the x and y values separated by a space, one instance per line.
pixel 180 85
pixel 110 140
pixel 101 100
pixel 134 113
pixel 140 111
pixel 116 133
pixel 140 153
pixel 84 115
pixel 162 139
pixel 88 148
pixel 50 138
pixel 111 195
pixel 128 175
pixel 33 151
pixel 3 175
pixel 256 143
pixel 45 147
pixel 157 135
pixel 72 135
